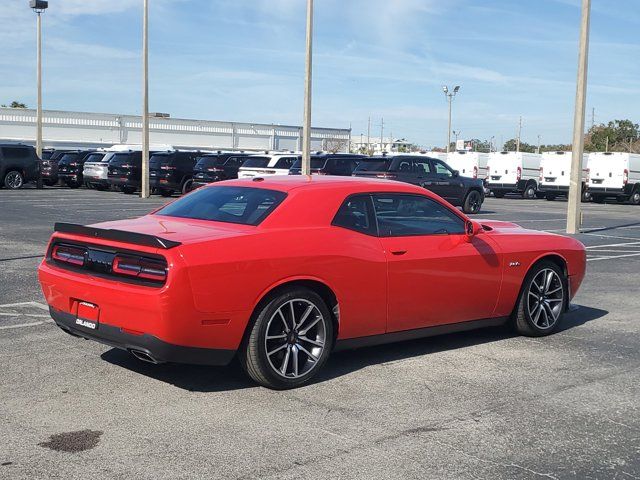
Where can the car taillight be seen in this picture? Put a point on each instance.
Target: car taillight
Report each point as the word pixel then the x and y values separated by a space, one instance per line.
pixel 167 167
pixel 139 267
pixel 69 254
pixel 588 174
pixel 519 174
pixel 319 173
pixel 215 169
pixel 386 175
pixel 625 176
pixel 541 173
pixel 488 172
pixel 126 165
pixel 73 164
pixel 475 172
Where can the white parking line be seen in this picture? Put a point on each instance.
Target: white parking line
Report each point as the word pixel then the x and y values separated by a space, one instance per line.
pixel 23 325
pixel 24 304
pixel 612 257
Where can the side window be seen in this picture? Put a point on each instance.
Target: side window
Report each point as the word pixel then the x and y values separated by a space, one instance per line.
pixel 403 165
pixel 442 169
pixel 422 167
pixel 284 162
pixel 15 153
pixel 233 162
pixel 406 215
pixel 355 214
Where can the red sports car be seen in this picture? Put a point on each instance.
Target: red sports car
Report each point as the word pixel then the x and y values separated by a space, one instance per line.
pixel 281 271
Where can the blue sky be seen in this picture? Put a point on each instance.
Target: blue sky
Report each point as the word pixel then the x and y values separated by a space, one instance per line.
pixel 243 60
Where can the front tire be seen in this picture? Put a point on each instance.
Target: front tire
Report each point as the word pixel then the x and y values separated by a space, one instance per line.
pixel 13 180
pixel 634 199
pixel 289 341
pixel 529 192
pixel 472 202
pixel 542 300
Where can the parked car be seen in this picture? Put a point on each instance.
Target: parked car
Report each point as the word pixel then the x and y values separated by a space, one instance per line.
pixel 267 164
pixel 172 171
pixel 214 167
pixel 555 175
pixel 71 165
pixel 19 164
pixel 271 269
pixel 513 172
pixel 96 173
pixel 329 164
pixel 49 167
pixel 429 173
pixel 469 164
pixel 47 153
pixel 614 175
pixel 125 170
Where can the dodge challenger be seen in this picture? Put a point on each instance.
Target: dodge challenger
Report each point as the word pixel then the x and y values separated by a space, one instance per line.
pixel 279 272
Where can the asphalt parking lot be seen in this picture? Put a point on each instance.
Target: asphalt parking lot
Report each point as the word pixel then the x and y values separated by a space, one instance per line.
pixel 483 404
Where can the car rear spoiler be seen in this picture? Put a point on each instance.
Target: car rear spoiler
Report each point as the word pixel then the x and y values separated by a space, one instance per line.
pixel 117 235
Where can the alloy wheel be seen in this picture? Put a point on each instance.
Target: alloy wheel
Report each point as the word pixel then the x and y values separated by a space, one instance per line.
pixel 545 298
pixel 13 180
pixel 295 338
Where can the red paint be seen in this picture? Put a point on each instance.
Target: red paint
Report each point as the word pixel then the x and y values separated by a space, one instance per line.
pixel 221 271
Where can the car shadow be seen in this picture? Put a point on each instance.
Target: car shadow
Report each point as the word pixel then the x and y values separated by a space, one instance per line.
pixel 197 378
pixel 613 227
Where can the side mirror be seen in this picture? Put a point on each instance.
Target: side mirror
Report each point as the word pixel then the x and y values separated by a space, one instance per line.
pixel 472 229
pixel 456 173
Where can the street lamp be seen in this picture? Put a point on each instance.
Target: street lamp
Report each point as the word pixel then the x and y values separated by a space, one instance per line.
pixel 306 125
pixel 449 95
pixel 144 184
pixel 39 6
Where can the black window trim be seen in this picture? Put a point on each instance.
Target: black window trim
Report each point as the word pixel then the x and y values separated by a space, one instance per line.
pixel 372 213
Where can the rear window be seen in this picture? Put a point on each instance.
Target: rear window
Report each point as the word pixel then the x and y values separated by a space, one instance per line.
pixel 209 161
pixel 94 157
pixel 316 163
pixel 156 160
pixel 243 205
pixel 374 165
pixel 256 162
pixel 69 157
pixel 125 158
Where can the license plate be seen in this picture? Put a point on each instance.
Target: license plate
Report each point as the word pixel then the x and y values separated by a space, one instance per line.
pixel 87 315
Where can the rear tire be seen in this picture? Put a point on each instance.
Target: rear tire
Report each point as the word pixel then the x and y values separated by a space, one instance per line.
pixel 472 203
pixel 128 190
pixel 634 199
pixel 529 192
pixel 550 197
pixel 586 196
pixel 498 194
pixel 542 300
pixel 13 180
pixel 164 192
pixel 187 186
pixel 279 354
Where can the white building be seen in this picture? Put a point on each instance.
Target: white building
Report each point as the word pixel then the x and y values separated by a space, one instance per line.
pixel 388 144
pixel 79 129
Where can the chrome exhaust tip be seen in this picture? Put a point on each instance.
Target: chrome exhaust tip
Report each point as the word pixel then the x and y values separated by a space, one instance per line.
pixel 144 356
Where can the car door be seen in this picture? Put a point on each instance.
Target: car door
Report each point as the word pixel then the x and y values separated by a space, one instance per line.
pixel 436 274
pixel 445 183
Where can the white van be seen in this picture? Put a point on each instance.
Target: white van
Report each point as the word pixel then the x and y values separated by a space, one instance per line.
pixel 468 164
pixel 614 174
pixel 555 175
pixel 513 172
pixel 267 164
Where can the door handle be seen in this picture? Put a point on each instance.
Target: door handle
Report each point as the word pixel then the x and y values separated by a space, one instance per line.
pixel 398 252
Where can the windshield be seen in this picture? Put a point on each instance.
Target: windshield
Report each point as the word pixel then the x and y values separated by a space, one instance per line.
pixel 373 165
pixel 243 205
pixel 257 162
pixel 316 163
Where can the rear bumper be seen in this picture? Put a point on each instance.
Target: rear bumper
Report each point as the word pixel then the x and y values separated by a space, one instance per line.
pixel 165 183
pixel 123 182
pixel 554 188
pixel 158 350
pixel 608 191
pixel 503 187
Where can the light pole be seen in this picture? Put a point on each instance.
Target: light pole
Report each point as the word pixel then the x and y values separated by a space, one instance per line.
pixel 575 183
pixel 306 127
pixel 449 95
pixel 144 184
pixel 39 6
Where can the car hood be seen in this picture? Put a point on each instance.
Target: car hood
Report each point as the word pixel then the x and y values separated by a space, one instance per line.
pixel 183 230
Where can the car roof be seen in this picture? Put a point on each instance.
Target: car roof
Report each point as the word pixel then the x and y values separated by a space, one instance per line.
pixel 288 183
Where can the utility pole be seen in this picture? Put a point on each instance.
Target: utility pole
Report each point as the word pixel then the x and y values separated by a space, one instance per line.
pixel 144 184
pixel 519 133
pixel 593 117
pixel 369 136
pixel 574 216
pixel 449 95
pixel 306 142
pixel 538 150
pixel 606 144
pixel 39 6
pixel 381 134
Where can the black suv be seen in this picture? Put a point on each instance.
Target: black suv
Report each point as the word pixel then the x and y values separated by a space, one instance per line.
pixel 19 164
pixel 125 170
pixel 214 167
pixel 172 171
pixel 329 164
pixel 71 164
pixel 430 173
pixel 49 167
